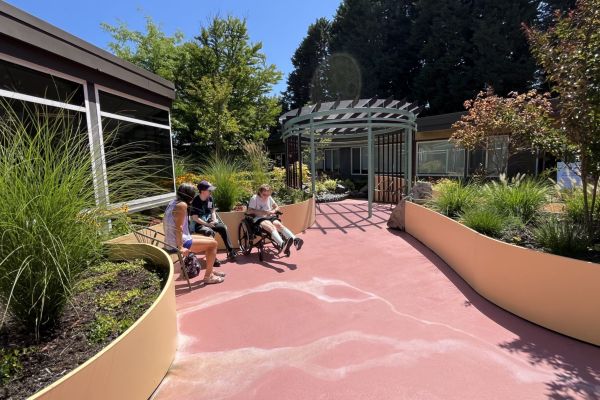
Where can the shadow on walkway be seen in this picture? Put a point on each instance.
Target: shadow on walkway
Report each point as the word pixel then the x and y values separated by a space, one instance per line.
pixel 577 370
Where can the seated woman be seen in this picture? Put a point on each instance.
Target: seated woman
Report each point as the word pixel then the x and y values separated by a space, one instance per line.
pixel 205 220
pixel 265 212
pixel 177 233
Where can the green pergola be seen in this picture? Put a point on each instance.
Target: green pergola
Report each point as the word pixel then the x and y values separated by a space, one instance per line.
pixel 350 121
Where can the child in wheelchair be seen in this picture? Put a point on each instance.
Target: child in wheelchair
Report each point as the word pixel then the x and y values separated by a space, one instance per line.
pixel 265 212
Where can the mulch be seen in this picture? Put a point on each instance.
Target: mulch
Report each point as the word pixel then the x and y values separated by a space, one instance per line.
pixel 68 345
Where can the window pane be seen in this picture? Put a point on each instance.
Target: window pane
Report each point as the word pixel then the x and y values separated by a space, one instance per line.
pixel 497 155
pixel 129 108
pixel 364 160
pixel 356 160
pixel 336 159
pixel 439 158
pixel 143 154
pixel 16 78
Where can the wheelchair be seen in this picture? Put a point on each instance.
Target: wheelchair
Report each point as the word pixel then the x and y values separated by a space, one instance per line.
pixel 252 235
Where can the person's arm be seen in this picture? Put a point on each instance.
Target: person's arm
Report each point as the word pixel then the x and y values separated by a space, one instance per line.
pixel 252 208
pixel 274 205
pixel 180 214
pixel 213 214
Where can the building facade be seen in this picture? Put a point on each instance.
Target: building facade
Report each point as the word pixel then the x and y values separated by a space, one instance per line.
pixel 123 109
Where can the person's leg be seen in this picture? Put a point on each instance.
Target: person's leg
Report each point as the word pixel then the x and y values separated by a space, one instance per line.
pixel 288 234
pixel 221 229
pixel 269 227
pixel 207 245
pixel 284 231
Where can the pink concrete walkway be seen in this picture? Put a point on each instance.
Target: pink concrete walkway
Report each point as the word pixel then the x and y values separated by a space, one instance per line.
pixel 364 313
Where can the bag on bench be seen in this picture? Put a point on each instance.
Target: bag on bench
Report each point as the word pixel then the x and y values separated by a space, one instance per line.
pixel 191 265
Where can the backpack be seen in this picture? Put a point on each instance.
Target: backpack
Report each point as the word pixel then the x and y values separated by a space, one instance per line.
pixel 191 265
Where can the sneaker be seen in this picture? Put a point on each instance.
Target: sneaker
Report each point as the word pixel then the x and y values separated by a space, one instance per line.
pixel 217 263
pixel 288 243
pixel 298 243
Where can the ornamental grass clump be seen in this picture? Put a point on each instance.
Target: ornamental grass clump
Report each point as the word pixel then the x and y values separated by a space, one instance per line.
pixel 484 220
pixel 453 197
pixel 520 197
pixel 51 228
pixel 561 237
pixel 48 221
pixel 223 173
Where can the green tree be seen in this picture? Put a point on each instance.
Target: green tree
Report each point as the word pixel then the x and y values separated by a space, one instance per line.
pixel 222 81
pixel 306 83
pixel 569 52
pixel 373 35
pixel 464 46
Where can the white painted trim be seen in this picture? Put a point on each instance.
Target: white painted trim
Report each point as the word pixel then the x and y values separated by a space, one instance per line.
pixel 40 100
pixel 172 155
pixel 133 120
pixel 130 97
pixel 102 152
pixel 91 143
pixel 40 68
pixel 146 203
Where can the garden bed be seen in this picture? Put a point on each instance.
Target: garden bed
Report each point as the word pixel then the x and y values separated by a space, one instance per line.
pixel 110 298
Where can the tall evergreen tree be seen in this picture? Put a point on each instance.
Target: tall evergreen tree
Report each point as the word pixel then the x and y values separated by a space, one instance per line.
pixel 306 83
pixel 467 45
pixel 371 37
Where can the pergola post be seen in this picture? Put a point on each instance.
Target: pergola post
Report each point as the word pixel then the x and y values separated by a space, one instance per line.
pixel 409 159
pixel 371 151
pixel 313 176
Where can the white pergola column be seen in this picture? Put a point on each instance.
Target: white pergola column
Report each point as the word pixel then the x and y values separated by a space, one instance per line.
pixel 313 170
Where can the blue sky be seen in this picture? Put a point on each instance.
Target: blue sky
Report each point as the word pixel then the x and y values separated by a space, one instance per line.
pixel 279 24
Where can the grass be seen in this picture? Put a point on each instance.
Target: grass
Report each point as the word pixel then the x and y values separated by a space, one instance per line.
pixel 454 198
pixel 561 237
pixel 224 173
pixel 51 228
pixel 520 197
pixel 484 220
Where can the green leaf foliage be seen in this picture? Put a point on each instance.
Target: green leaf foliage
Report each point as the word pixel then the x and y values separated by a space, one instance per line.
pixel 222 81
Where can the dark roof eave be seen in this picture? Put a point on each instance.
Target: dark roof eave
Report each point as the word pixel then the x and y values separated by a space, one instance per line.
pixel 19 25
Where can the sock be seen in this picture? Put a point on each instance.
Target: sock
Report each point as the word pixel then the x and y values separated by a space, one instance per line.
pixel 287 233
pixel 276 237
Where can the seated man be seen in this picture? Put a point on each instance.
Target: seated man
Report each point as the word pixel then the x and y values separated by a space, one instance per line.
pixel 204 217
pixel 265 212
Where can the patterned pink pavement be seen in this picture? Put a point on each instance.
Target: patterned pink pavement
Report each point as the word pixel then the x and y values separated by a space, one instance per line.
pixel 362 312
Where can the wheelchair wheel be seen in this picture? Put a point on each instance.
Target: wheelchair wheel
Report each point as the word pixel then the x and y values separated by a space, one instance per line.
pixel 245 238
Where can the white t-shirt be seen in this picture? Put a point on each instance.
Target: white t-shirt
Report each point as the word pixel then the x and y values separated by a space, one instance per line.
pixel 257 203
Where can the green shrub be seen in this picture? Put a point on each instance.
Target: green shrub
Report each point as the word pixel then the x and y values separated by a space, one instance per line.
pixel 224 174
pixel 48 218
pixel 10 363
pixel 453 197
pixel 561 237
pixel 574 205
pixel 257 163
pixel 486 221
pixel 330 185
pixel 348 184
pixel 520 197
pixel 51 227
pixel 288 195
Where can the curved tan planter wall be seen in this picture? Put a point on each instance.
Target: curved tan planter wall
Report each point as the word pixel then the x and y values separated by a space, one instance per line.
pixel 558 293
pixel 132 366
pixel 297 217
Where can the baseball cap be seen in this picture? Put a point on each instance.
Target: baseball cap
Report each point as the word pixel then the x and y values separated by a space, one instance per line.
pixel 205 185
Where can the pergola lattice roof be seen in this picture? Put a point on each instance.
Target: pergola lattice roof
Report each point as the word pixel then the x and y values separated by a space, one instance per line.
pixel 350 118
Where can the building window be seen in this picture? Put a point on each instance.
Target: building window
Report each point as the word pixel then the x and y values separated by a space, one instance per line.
pixel 137 136
pixel 279 159
pixel 360 160
pixel 496 156
pixel 331 160
pixel 27 84
pixel 440 158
